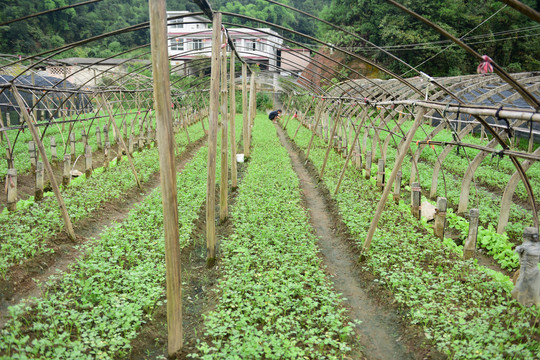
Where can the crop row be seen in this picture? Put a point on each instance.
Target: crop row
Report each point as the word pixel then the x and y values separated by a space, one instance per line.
pixel 25 233
pixel 21 156
pixel 465 310
pixel 275 301
pixel 96 309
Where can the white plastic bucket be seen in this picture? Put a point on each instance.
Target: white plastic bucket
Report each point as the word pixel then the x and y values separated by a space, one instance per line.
pixel 240 158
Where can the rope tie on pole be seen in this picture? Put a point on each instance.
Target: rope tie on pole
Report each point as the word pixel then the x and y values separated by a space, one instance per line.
pixel 508 129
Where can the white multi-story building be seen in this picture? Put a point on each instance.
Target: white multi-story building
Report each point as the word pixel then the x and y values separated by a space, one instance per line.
pixel 190 38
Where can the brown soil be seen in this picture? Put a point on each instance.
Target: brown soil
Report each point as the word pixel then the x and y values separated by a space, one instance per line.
pixel 382 332
pixel 24 279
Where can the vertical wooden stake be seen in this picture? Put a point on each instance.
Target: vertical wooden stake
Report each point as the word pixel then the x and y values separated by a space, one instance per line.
pixel 232 91
pixel 212 142
pixel 397 187
pixel 98 139
pixel 130 144
pixel 106 151
pixel 387 187
pixel 165 142
pixel 72 142
pixel 245 111
pixel 224 180
pixel 368 165
pixel 252 110
pixel 66 177
pixel 32 154
pixel 38 193
pixel 11 181
pixel 54 156
pixel 84 138
pixel 416 196
pixel 380 173
pixel 469 250
pixel 41 148
pixel 88 161
pixel 440 218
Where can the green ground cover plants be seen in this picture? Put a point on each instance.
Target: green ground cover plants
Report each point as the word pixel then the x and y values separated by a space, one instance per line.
pixel 24 233
pixel 465 310
pixel 275 302
pixel 95 309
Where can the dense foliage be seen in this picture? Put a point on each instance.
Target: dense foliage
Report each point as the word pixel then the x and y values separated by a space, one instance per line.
pixel 389 27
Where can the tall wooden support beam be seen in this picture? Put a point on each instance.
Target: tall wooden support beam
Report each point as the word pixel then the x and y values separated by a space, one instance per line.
pixel 165 141
pixel 212 142
pixel 50 173
pixel 380 173
pixel 232 91
pixel 224 180
pixel 38 191
pixel 11 184
pixel 388 185
pixel 252 108
pixel 368 165
pixel 245 113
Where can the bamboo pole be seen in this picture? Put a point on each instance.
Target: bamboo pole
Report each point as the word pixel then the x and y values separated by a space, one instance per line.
pixel 388 186
pixel 245 116
pixel 122 141
pixel 165 142
pixel 212 142
pixel 224 179
pixel 41 148
pixel 234 170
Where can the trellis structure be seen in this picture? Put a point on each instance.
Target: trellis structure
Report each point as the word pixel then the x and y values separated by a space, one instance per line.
pixel 499 108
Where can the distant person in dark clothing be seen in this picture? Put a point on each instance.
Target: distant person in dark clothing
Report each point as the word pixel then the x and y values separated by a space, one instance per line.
pixel 274 115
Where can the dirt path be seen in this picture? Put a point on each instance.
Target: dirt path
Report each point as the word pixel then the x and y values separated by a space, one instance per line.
pixel 24 279
pixel 379 331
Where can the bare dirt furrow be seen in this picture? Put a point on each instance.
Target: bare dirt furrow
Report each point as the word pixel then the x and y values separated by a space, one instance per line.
pixel 379 331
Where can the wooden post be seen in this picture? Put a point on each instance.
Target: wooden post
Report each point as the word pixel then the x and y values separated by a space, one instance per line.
pixel 84 138
pixel 66 176
pixel 212 141
pixel 72 142
pixel 106 151
pixel 380 173
pixel 245 111
pixel 38 193
pixel 130 144
pixel 440 218
pixel 54 156
pixel 416 196
pixel 387 187
pixel 469 249
pixel 88 161
pixel 252 109
pixel 98 139
pixel 531 143
pixel 165 142
pixel 41 148
pixel 123 143
pixel 224 180
pixel 11 181
pixel 32 153
pixel 368 165
pixel 234 171
pixel 397 187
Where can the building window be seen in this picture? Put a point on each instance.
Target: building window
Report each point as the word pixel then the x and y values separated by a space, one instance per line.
pixel 177 23
pixel 177 44
pixel 254 45
pixel 197 44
